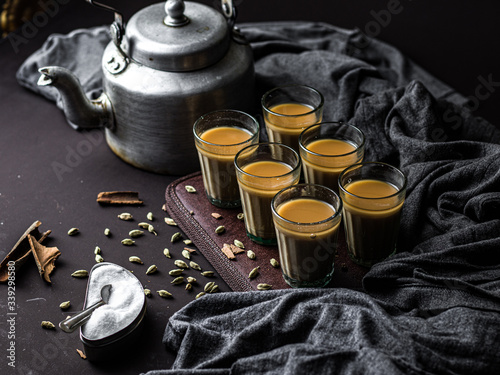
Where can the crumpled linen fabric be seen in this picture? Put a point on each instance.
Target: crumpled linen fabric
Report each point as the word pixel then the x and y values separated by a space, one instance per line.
pixel 434 307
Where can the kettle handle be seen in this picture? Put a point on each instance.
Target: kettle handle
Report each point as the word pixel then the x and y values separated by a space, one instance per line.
pixel 117 29
pixel 229 11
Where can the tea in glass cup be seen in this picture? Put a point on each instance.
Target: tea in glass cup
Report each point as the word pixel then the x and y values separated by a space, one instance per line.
pixel 288 110
pixel 307 220
pixel 327 149
pixel 219 135
pixel 262 170
pixel 373 195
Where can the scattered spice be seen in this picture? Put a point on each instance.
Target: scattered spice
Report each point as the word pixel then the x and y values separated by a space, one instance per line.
pixel 190 189
pixel 147 292
pixel 274 263
pixel 264 286
pixel 239 244
pixel 65 305
pixel 125 216
pixel 73 231
pixel 251 254
pixel 48 325
pixel 45 257
pixel 164 294
pixel 177 280
pixel 21 250
pixel 80 274
pixel 166 252
pixel 220 229
pixel 119 197
pixel 216 215
pixel 81 353
pixel 135 259
pixel 194 266
pixel 150 216
pixel 128 242
pixel 190 250
pixel 240 216
pixel 201 294
pixel 208 273
pixel 176 272
pixel 186 254
pixel 170 221
pixel 99 258
pixel 226 249
pixel 107 233
pixel 181 264
pixel 253 273
pixel 151 269
pixel 176 237
pixel 135 233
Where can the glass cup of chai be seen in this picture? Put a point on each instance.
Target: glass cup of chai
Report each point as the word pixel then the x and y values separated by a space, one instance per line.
pixel 307 220
pixel 327 149
pixel 219 135
pixel 373 194
pixel 262 170
pixel 288 110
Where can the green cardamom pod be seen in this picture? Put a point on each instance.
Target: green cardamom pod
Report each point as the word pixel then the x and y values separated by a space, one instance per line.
pixel 128 242
pixel 190 189
pixel 220 229
pixel 149 216
pixel 99 258
pixel 240 216
pixel 65 305
pixel 135 233
pixel 143 225
pixel 48 325
pixel 151 229
pixel 177 280
pixel 189 286
pixel 195 266
pixel 176 237
pixel 188 242
pixel 208 286
pixel 97 250
pixel 135 259
pixel 166 252
pixel 151 269
pixel 207 273
pixel 191 280
pixel 274 263
pixel 239 244
pixel 201 294
pixel 186 254
pixel 73 231
pixel 125 216
pixel 264 286
pixel 214 289
pixel 80 273
pixel 147 292
pixel 107 232
pixel 253 273
pixel 164 294
pixel 250 254
pixel 181 264
pixel 170 221
pixel 176 272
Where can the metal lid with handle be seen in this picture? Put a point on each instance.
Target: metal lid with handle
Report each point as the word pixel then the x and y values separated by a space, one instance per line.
pixel 183 36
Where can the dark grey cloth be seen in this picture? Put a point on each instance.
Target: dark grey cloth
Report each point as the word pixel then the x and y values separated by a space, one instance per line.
pixel 433 308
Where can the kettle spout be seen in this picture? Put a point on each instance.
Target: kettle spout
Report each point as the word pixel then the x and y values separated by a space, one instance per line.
pixel 79 110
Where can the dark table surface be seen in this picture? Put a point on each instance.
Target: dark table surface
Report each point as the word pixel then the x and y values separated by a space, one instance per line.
pixel 455 44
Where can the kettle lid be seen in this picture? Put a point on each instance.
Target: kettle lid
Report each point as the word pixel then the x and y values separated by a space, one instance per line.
pixel 176 36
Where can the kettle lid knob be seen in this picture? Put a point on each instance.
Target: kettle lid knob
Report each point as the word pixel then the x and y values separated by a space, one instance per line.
pixel 175 13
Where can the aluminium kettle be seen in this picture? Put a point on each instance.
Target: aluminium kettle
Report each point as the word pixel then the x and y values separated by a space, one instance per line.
pixel 172 63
